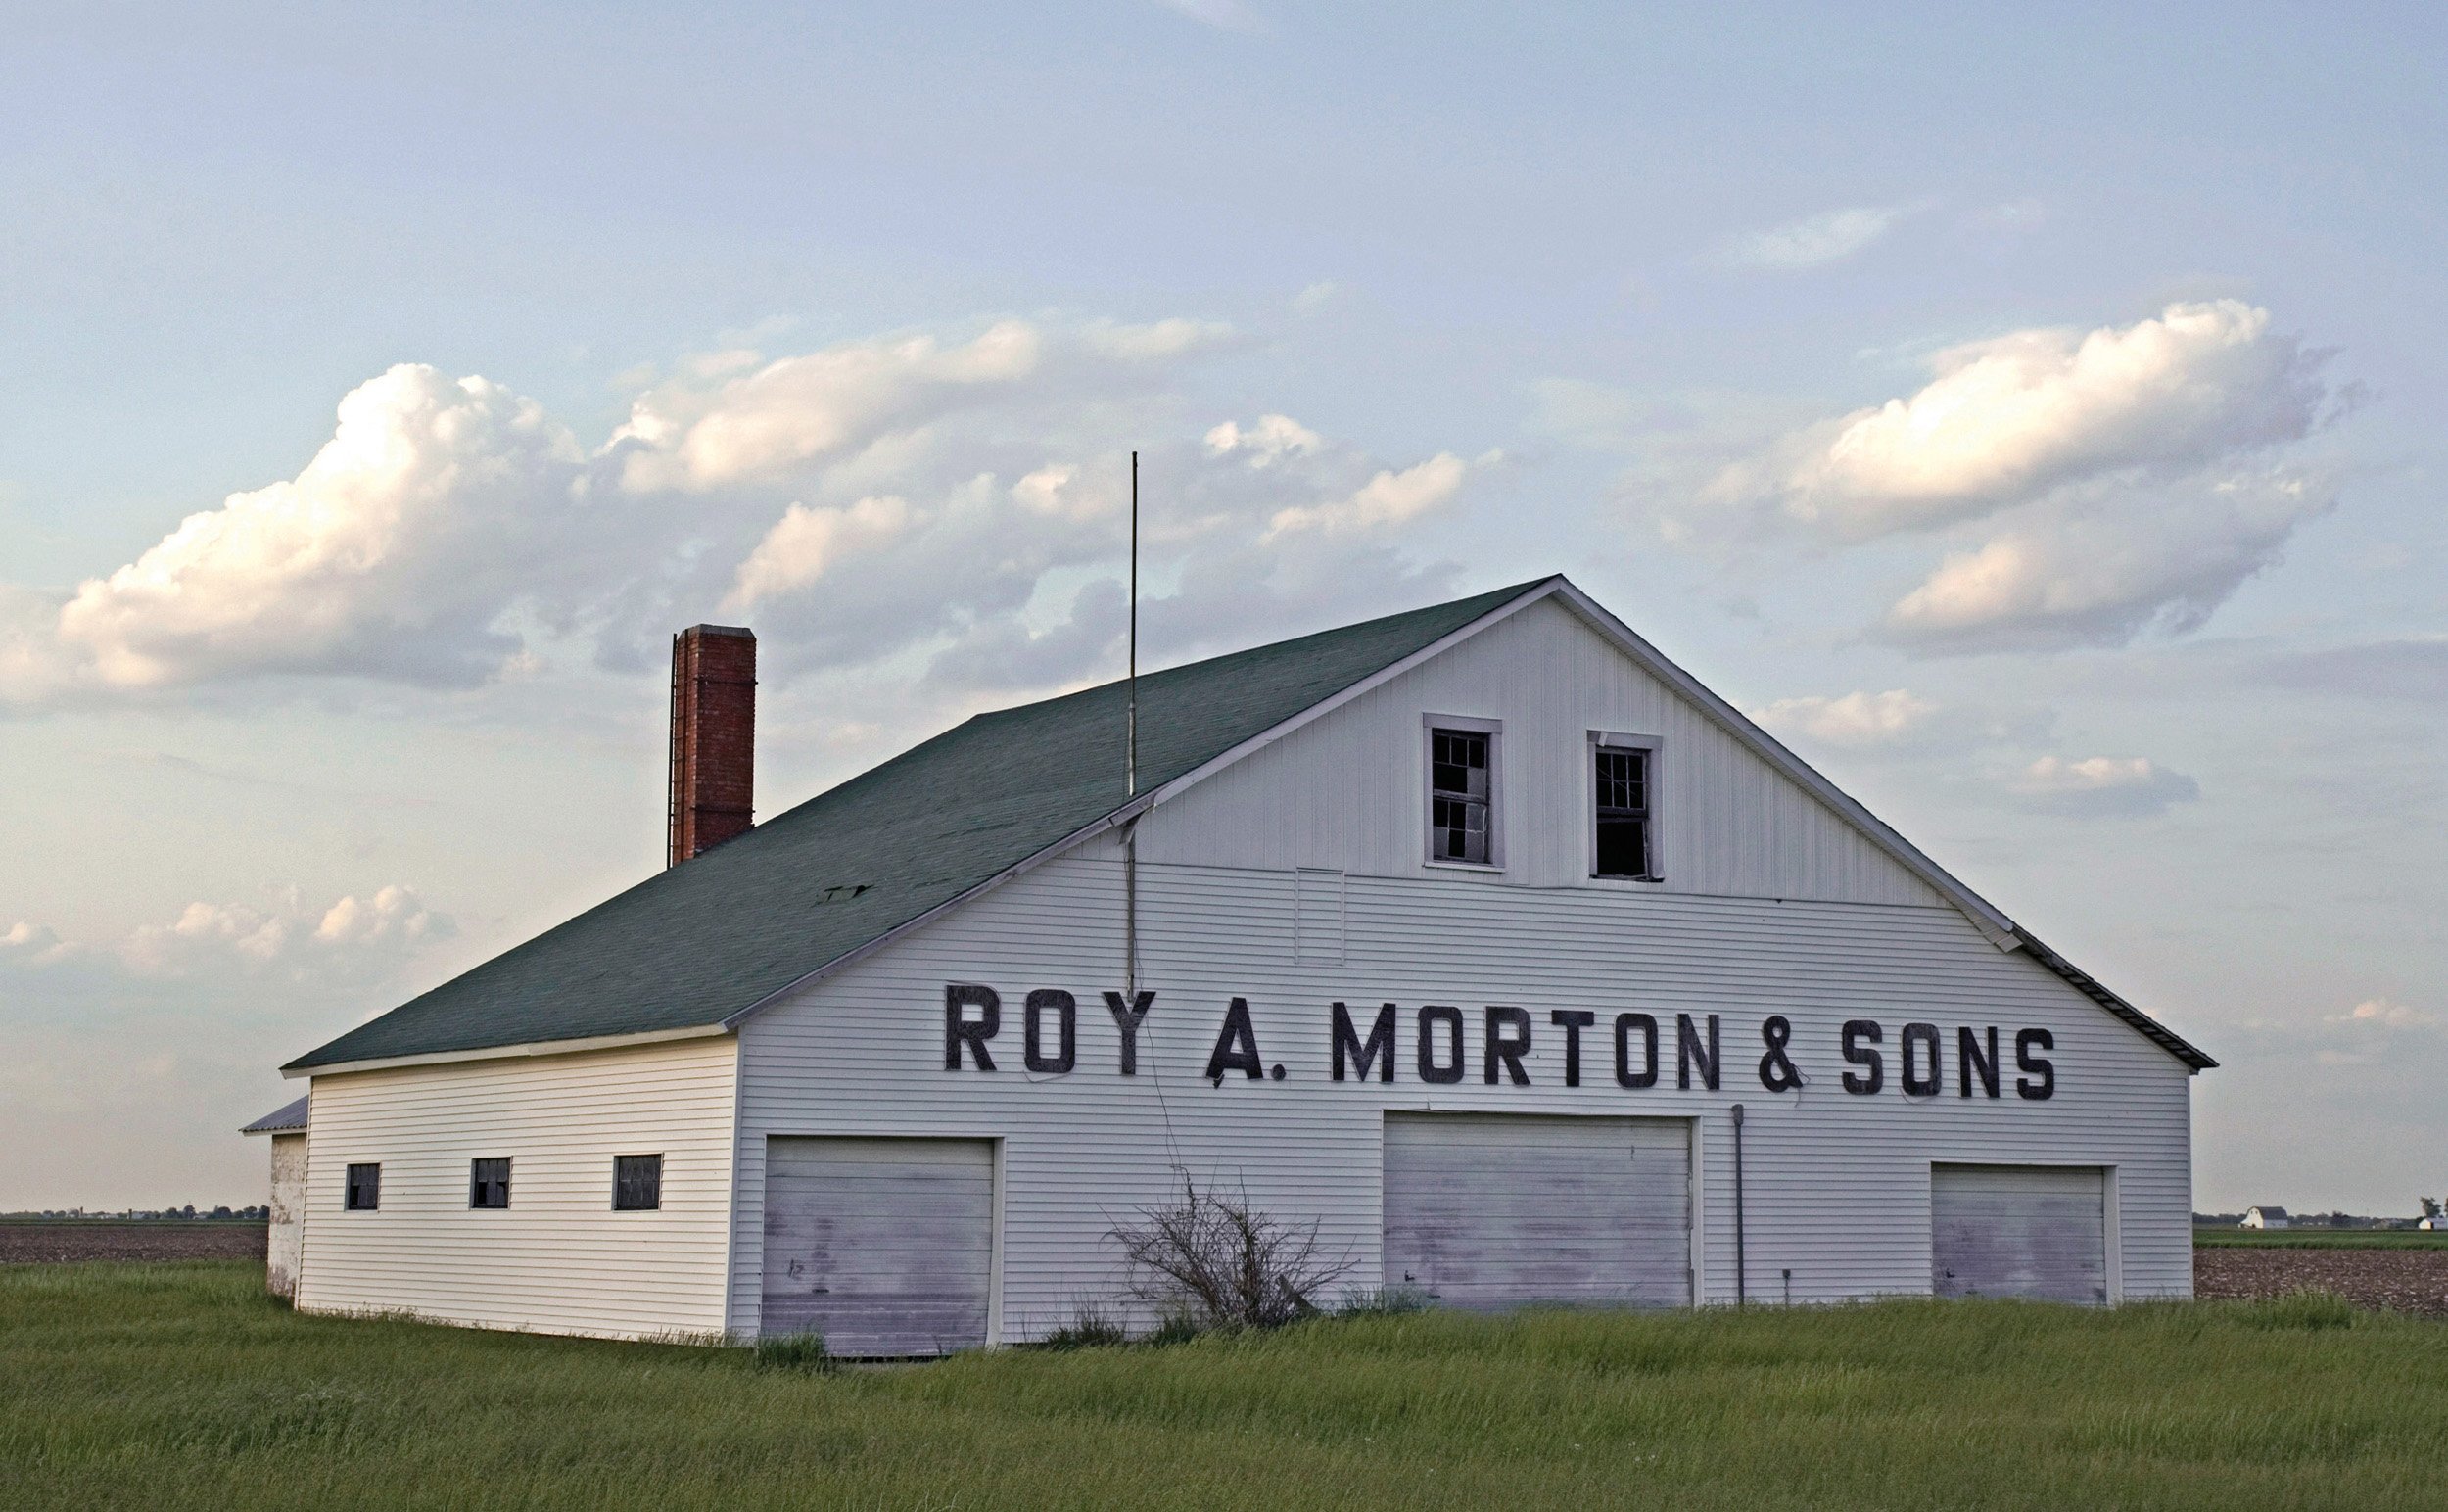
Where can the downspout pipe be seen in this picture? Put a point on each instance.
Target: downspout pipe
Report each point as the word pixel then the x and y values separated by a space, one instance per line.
pixel 1742 1269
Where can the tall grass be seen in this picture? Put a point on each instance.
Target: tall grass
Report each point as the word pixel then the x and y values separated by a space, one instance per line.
pixel 181 1386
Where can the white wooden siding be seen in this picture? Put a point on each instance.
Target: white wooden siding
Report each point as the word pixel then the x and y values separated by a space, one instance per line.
pixel 559 1259
pixel 1349 790
pixel 1838 1185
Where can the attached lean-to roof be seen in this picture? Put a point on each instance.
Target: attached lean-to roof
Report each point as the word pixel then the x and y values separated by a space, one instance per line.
pixel 700 944
pixel 288 1119
pixel 697 948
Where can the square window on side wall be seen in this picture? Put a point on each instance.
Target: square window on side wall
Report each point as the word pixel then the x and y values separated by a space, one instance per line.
pixel 637 1183
pixel 365 1190
pixel 488 1182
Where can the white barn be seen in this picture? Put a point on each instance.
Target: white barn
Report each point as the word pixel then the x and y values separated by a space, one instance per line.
pixel 1482 935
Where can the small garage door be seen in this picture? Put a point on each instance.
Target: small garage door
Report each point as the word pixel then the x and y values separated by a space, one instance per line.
pixel 2036 1230
pixel 884 1246
pixel 1492 1212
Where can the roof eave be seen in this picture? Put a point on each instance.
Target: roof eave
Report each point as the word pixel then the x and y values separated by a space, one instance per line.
pixel 565 1047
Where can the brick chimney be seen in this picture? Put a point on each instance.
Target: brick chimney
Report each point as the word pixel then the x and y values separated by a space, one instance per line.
pixel 714 737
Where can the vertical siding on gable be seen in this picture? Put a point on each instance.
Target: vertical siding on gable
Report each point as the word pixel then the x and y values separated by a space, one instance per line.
pixel 1347 790
pixel 1838 1185
pixel 559 1259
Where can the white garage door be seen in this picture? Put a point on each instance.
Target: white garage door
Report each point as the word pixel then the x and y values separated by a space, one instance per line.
pixel 884 1246
pixel 2036 1230
pixel 1499 1210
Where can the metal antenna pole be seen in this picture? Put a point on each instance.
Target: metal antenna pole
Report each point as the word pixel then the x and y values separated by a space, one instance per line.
pixel 1130 740
pixel 1131 736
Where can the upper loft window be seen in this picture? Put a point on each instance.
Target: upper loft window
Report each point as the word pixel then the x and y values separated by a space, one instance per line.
pixel 637 1183
pixel 1462 791
pixel 365 1188
pixel 488 1182
pixel 1624 776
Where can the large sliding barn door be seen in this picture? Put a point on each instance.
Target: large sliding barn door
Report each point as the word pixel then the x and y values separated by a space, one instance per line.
pixel 2034 1231
pixel 884 1246
pixel 1501 1211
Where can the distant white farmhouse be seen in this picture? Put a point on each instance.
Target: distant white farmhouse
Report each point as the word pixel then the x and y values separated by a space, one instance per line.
pixel 2434 1223
pixel 1483 937
pixel 2265 1218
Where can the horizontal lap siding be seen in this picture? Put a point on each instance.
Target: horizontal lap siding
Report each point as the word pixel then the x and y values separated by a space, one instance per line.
pixel 1838 1185
pixel 559 1259
pixel 1348 790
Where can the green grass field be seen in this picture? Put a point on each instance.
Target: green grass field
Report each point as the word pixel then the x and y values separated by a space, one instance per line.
pixel 2320 1239
pixel 180 1386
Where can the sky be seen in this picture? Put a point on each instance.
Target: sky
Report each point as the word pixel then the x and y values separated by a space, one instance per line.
pixel 2031 418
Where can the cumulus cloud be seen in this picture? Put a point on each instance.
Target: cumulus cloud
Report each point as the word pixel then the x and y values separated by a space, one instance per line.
pixel 2130 787
pixel 284 934
pixel 1853 721
pixel 1816 240
pixel 392 552
pixel 2101 573
pixel 932 499
pixel 806 543
pixel 1271 440
pixel 2381 1013
pixel 769 422
pixel 2005 422
pixel 1389 498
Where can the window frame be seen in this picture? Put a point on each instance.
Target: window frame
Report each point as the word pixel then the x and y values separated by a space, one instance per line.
pixel 1621 741
pixel 1461 723
pixel 654 1206
pixel 348 1187
pixel 476 1184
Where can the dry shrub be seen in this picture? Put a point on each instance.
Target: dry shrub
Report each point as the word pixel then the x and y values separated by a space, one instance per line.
pixel 1214 1261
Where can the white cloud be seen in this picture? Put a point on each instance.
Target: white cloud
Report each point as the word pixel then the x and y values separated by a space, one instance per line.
pixel 2005 422
pixel 806 543
pixel 351 937
pixel 2080 575
pixel 769 423
pixel 1264 444
pixel 1816 240
pixel 392 551
pixel 26 943
pixel 2381 1013
pixel 392 914
pixel 2103 785
pixel 879 502
pixel 1856 720
pixel 1389 498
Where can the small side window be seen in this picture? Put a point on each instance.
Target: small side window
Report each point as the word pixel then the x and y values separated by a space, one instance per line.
pixel 488 1182
pixel 366 1188
pixel 637 1183
pixel 1624 782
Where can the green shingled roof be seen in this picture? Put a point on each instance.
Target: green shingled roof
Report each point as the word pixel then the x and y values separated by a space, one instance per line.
pixel 695 945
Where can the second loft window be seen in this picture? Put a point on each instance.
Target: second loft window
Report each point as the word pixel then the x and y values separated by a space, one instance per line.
pixel 1626 838
pixel 489 1183
pixel 1461 782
